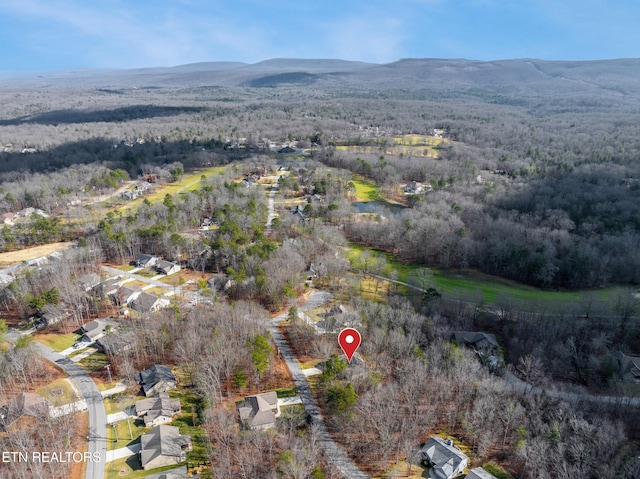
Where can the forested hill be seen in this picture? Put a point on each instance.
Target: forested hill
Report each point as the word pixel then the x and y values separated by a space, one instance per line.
pixel 611 78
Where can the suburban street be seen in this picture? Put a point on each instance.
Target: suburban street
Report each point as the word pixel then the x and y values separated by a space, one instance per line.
pixel 333 451
pixel 97 437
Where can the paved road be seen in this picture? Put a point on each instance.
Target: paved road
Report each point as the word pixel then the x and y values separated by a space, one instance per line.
pixel 272 209
pixel 334 453
pixel 129 274
pixel 90 395
pixel 524 387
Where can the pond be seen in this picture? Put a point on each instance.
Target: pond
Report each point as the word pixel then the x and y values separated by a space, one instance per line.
pixel 378 208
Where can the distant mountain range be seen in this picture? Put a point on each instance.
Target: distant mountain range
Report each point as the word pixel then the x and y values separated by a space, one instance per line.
pixel 613 78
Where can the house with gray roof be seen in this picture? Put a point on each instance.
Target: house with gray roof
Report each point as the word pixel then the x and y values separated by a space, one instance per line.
pixel 159 410
pixel 127 294
pixel 485 345
pixel 119 341
pixel 479 473
pixel 167 267
pixel 629 373
pixel 446 460
pixel 259 412
pixel 146 260
pixel 53 314
pixel 163 446
pixel 149 303
pixel 158 378
pixel 108 287
pixel 219 282
pixel 89 281
pixel 98 328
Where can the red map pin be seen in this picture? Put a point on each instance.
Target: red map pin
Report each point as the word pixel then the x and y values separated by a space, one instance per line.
pixel 349 340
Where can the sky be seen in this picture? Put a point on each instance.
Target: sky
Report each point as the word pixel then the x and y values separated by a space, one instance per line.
pixel 62 34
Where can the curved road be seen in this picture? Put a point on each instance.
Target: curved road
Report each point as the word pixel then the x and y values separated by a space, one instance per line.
pixel 95 404
pixel 333 451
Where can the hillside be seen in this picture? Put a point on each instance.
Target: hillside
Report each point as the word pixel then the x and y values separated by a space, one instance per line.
pixel 609 78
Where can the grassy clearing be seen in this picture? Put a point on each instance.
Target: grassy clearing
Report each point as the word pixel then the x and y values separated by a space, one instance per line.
pixel 120 431
pixel 105 386
pixel 463 284
pixel 130 468
pixel 287 392
pixel 94 362
pixel 57 342
pixel 146 273
pixel 310 364
pixel 15 257
pixel 417 140
pixel 58 392
pixel 189 423
pixel 497 471
pixel 401 469
pixel 189 182
pixel 119 402
pixel 366 190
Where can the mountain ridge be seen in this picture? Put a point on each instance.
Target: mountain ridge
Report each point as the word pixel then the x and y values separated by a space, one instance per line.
pixel 518 76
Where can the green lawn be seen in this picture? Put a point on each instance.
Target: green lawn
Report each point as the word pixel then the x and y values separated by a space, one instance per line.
pixel 191 405
pixel 57 342
pixel 94 362
pixel 58 392
pixel 118 402
pixel 366 190
pixel 190 181
pixel 130 468
pixel 467 284
pixel 287 392
pixel 123 434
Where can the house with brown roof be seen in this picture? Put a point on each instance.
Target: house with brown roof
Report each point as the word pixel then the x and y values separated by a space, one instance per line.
pixel 259 412
pixel 163 446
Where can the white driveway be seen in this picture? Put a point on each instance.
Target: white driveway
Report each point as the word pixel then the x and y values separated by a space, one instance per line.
pixel 127 451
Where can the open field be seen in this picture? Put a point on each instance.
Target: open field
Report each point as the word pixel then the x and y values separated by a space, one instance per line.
pixel 16 257
pixel 467 285
pixel 366 190
pixel 189 182
pixel 406 145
